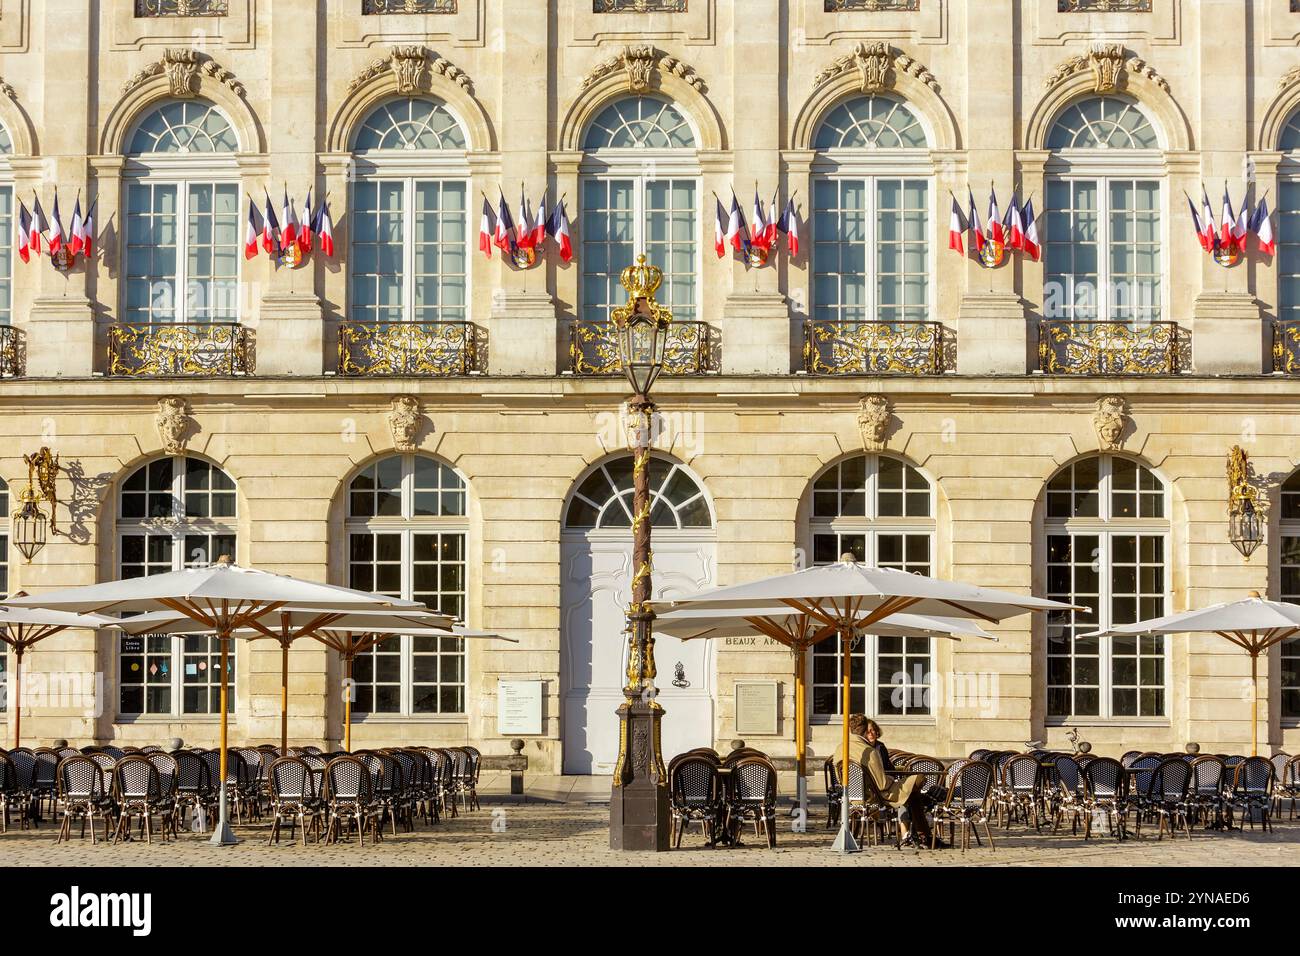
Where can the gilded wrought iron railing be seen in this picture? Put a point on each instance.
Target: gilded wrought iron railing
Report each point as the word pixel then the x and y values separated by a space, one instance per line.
pixel 692 349
pixel 160 349
pixel 408 6
pixel 638 6
pixel 13 352
pixel 1286 346
pixel 408 348
pixel 181 8
pixel 835 347
pixel 1111 348
pixel 871 6
pixel 1103 6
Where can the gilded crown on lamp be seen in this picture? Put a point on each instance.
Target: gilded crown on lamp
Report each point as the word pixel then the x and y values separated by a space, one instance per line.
pixel 642 280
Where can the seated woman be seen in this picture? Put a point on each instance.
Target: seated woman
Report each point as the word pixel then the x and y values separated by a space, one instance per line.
pixel 902 793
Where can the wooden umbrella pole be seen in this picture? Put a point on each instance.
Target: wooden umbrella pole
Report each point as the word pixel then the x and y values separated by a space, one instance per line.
pixel 284 696
pixel 18 696
pixel 1254 702
pixel 347 704
pixel 800 707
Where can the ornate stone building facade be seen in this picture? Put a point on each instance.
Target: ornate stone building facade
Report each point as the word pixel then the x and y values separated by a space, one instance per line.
pixel 412 417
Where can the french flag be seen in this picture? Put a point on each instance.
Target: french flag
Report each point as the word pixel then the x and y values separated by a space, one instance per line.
pixel 56 227
pixel 538 240
pixel 720 230
pixel 88 230
pixel 24 232
pixel 773 224
pixel 788 224
pixel 758 230
pixel 254 231
pixel 525 228
pixel 558 229
pixel 289 236
pixel 996 233
pixel 1241 227
pixel 325 230
pixel 1207 223
pixel 737 231
pixel 1226 223
pixel 1030 245
pixel 956 228
pixel 270 230
pixel 505 236
pixel 1196 224
pixel 38 227
pixel 1261 224
pixel 974 219
pixel 307 227
pixel 486 227
pixel 74 232
pixel 1017 224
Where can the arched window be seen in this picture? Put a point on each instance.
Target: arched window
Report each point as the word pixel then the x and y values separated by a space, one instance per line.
pixel 407 532
pixel 640 196
pixel 871 216
pixel 1103 256
pixel 182 217
pixel 1290 591
pixel 882 511
pixel 173 513
pixel 1107 536
pixel 1288 222
pixel 409 216
pixel 604 499
pixel 6 228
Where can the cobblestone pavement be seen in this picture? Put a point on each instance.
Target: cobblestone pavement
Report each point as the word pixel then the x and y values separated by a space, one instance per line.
pixel 576 834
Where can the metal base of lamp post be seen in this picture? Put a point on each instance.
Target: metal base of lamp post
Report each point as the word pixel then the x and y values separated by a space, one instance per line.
pixel 222 835
pixel 639 819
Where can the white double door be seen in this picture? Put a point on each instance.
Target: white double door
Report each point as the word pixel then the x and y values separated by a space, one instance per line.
pixel 596 589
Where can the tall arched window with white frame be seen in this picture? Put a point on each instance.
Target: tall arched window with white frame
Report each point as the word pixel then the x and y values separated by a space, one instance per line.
pixel 410 253
pixel 880 510
pixel 1288 244
pixel 173 513
pixel 408 536
pixel 182 217
pixel 872 262
pixel 1107 549
pixel 1103 252
pixel 640 196
pixel 1289 590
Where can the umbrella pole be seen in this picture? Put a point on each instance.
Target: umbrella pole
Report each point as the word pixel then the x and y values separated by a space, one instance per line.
pixel 1254 702
pixel 222 835
pixel 347 704
pixel 800 732
pixel 284 697
pixel 18 696
pixel 845 843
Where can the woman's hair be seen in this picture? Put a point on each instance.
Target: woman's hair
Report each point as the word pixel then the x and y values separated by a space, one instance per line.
pixel 869 724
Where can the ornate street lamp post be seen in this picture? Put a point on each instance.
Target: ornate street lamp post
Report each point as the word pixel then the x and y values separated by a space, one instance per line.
pixel 1246 506
pixel 638 814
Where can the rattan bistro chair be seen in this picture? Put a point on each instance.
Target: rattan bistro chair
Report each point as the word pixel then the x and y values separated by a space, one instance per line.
pixel 1287 787
pixel 81 797
pixel 751 795
pixel 22 794
pixel 1020 793
pixel 348 800
pixel 1104 793
pixel 138 795
pixel 293 798
pixel 695 796
pixel 834 792
pixel 967 803
pixel 1252 792
pixel 8 789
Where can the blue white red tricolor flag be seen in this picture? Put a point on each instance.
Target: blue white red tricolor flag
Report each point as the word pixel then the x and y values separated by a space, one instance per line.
pixel 558 229
pixel 1261 224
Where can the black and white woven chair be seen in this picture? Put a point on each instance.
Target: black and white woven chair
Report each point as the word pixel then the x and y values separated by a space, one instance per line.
pixel 1252 792
pixel 1070 796
pixel 834 792
pixel 348 800
pixel 23 795
pixel 293 798
pixel 194 788
pixel 1104 793
pixel 1021 791
pixel 1287 787
pixel 751 795
pixel 967 803
pixel 81 797
pixel 695 796
pixel 138 797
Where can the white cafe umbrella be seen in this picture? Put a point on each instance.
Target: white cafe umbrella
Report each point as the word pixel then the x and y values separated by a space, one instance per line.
pixel 21 627
pixel 1254 625
pixel 849 598
pixel 286 625
pixel 223 597
pixel 350 642
pixel 799 632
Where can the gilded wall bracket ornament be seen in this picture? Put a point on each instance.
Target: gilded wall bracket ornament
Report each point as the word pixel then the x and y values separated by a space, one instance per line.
pixel 411 65
pixel 7 90
pixel 405 420
pixel 639 63
pixel 185 68
pixel 877 65
pixel 1110 64
pixel 174 424
pixel 1111 419
pixel 875 415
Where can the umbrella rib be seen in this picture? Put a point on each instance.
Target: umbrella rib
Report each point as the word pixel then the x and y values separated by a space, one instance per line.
pixel 971 612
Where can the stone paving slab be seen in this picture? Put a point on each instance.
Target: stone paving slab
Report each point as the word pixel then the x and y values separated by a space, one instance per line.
pixel 576 834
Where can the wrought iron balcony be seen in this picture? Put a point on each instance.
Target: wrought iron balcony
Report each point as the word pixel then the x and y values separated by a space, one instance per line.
pixel 1111 348
pixel 691 349
pixel 871 6
pixel 13 352
pixel 1103 6
pixel 174 349
pixel 181 8
pixel 408 6
pixel 409 348
pixel 834 347
pixel 638 6
pixel 1286 346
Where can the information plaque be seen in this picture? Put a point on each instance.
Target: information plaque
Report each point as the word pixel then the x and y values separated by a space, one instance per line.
pixel 519 707
pixel 757 703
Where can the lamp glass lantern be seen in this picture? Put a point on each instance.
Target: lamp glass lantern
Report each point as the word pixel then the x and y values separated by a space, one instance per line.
pixel 642 327
pixel 1245 527
pixel 29 526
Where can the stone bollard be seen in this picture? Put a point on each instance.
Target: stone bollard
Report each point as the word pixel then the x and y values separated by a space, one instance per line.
pixel 175 743
pixel 1192 748
pixel 518 764
pixel 59 744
